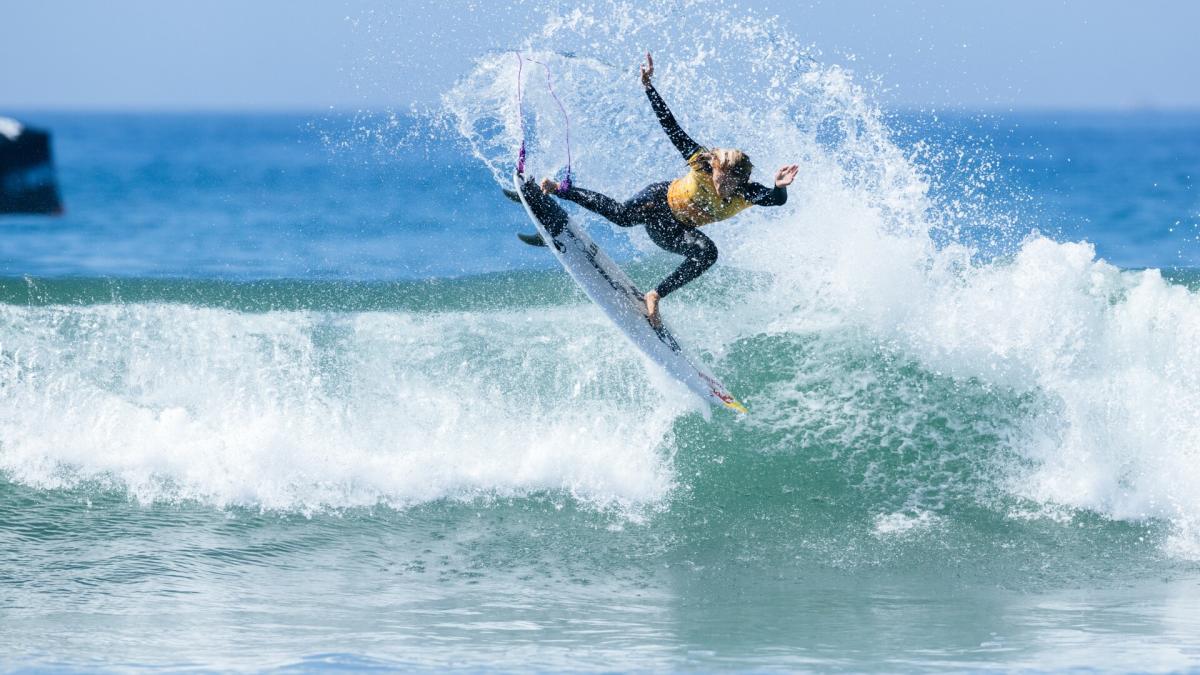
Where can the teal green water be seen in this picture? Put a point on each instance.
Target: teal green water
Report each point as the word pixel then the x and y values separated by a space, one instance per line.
pixel 286 393
pixel 888 531
pixel 531 583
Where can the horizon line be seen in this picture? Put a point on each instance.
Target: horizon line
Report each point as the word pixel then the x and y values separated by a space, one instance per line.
pixel 415 108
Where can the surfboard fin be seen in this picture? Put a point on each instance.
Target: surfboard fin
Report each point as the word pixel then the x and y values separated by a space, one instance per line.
pixel 531 239
pixel 511 194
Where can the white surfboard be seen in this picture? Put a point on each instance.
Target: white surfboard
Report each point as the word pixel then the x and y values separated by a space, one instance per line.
pixel 612 290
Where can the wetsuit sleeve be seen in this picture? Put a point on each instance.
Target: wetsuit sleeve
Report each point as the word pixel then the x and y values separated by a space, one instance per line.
pixel 761 195
pixel 683 143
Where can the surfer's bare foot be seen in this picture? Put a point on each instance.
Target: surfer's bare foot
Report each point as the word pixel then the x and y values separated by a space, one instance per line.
pixel 652 309
pixel 549 186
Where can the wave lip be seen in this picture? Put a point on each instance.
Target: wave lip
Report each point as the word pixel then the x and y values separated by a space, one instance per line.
pixel 868 247
pixel 300 409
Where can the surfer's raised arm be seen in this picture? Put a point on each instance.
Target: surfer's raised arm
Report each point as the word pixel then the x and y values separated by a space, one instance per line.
pixel 761 195
pixel 683 143
pixel 716 187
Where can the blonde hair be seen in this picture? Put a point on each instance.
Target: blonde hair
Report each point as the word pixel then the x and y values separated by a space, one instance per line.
pixel 731 161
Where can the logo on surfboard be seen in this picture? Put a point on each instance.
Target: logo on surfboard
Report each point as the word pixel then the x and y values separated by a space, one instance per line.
pixel 614 292
pixel 718 391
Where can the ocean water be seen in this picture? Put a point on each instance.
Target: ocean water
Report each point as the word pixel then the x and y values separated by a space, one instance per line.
pixel 284 391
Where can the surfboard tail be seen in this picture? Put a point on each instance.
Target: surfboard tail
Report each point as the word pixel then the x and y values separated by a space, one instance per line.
pixel 717 392
pixel 615 294
pixel 543 208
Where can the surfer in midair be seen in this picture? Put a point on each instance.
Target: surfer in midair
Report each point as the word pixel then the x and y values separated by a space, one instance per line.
pixel 716 187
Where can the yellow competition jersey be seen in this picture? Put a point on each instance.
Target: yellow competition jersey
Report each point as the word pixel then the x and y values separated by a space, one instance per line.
pixel 694 200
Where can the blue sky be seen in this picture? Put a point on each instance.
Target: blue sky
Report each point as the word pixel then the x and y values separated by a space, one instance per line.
pixel 304 54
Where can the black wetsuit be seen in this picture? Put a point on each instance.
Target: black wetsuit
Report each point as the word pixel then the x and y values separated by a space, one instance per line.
pixel 649 207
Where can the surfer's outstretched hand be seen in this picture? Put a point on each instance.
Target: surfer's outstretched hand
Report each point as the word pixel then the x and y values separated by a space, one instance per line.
pixel 647 70
pixel 786 175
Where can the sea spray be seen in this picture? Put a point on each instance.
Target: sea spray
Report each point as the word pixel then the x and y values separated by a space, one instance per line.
pixel 242 428
pixel 308 410
pixel 864 249
pixel 861 329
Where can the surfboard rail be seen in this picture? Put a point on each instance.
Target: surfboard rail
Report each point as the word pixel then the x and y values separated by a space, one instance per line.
pixel 611 289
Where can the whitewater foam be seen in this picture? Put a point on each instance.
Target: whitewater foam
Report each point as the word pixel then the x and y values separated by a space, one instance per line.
pixel 1092 370
pixel 864 248
pixel 305 410
pixel 903 524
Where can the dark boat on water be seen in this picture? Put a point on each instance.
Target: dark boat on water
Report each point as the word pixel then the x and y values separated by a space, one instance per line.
pixel 27 179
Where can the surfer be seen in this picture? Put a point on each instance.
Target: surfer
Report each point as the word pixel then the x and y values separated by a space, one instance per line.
pixel 716 187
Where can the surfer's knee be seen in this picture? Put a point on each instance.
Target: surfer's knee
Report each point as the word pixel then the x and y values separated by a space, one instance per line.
pixel 704 252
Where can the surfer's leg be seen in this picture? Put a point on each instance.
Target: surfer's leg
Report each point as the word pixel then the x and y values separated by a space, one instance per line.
pixel 642 207
pixel 698 250
pixel 603 205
